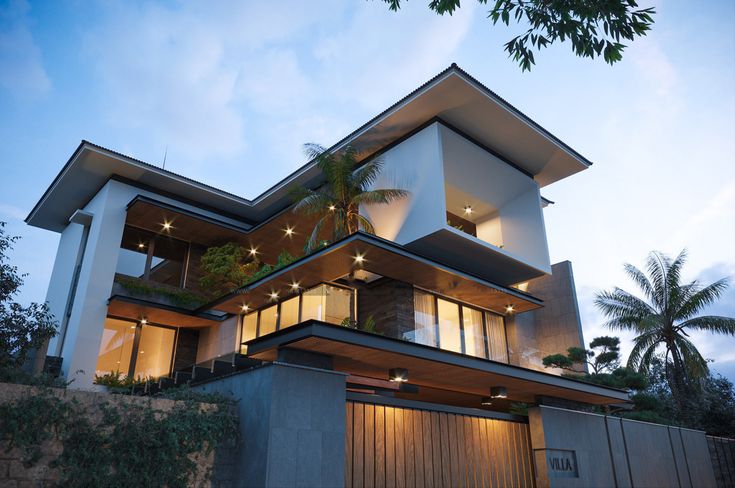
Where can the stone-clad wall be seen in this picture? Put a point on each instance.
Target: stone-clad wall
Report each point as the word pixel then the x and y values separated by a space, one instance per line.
pixel 13 474
pixel 550 329
pixel 390 303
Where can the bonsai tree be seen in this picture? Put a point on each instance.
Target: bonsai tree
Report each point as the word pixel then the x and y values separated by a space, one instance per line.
pixel 606 360
pixel 23 330
pixel 226 268
pixel 337 202
pixel 663 318
pixel 603 359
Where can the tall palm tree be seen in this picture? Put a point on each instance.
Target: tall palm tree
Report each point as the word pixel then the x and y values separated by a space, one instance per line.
pixel 663 318
pixel 346 188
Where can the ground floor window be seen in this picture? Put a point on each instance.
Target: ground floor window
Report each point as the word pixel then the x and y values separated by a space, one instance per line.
pixel 457 327
pixel 137 350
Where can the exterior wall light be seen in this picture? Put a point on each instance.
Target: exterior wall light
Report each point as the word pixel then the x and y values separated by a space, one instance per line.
pixel 398 375
pixel 295 286
pixel 486 401
pixel 498 392
pixel 141 245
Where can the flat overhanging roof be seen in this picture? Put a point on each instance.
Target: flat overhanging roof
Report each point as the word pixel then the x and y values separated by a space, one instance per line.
pixel 156 313
pixel 370 355
pixel 452 96
pixel 380 257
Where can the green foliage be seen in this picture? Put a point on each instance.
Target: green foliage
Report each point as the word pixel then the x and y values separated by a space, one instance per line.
pixel 594 28
pixel 176 296
pixel 518 408
pixel 22 329
pixel 284 259
pixel 227 268
pixel 337 202
pixel 603 357
pixel 663 318
pixel 132 445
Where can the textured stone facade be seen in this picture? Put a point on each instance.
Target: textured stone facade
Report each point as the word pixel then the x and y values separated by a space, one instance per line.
pixel 390 303
pixel 550 329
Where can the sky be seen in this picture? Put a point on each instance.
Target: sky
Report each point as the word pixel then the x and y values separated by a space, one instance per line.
pixel 230 91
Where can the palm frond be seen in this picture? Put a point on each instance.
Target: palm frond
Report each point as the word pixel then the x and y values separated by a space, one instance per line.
pixel 642 344
pixel 365 224
pixel 640 279
pixel 710 323
pixel 313 241
pixel 312 202
pixel 368 173
pixel 695 364
pixel 656 265
pixel 625 311
pixel 701 298
pixel 382 196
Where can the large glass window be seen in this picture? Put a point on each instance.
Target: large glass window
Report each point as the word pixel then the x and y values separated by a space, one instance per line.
pixel 155 351
pixel 449 332
pixel 326 303
pixel 116 347
pixel 425 316
pixel 135 350
pixel 474 333
pixel 150 256
pixel 457 327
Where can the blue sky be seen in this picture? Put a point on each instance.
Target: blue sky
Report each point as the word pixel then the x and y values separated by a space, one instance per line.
pixel 231 90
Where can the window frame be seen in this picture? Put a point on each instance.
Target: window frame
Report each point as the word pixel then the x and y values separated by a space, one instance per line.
pixel 136 341
pixel 151 249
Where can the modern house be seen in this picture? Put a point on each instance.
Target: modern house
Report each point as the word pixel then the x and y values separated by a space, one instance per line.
pixel 437 323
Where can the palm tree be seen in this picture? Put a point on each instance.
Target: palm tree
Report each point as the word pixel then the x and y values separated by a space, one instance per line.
pixel 663 318
pixel 346 188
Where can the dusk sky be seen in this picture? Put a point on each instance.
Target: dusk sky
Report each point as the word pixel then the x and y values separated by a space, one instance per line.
pixel 231 91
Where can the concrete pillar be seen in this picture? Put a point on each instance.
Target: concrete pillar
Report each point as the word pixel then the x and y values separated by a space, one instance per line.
pixel 292 425
pixel 89 309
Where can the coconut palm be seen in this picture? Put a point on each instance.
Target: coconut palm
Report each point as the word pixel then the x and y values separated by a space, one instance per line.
pixel 337 202
pixel 664 317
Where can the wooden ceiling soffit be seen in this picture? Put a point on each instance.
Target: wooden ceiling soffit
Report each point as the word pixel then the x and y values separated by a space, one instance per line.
pixel 376 255
pixel 135 309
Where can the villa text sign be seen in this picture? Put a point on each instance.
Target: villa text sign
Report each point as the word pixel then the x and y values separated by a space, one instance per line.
pixel 560 463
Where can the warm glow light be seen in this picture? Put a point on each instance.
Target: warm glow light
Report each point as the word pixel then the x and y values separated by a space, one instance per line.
pixel 398 375
pixel 273 295
pixel 295 285
pixel 468 209
pixel 245 308
pixel 253 251
pixel 166 225
pixel 288 231
pixel 499 392
pixel 143 321
pixel 332 208
pixel 486 401
pixel 359 258
pixel 141 245
pixel 509 309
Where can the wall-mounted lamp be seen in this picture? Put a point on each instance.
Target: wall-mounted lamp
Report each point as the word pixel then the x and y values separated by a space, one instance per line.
pixel 498 392
pixel 398 375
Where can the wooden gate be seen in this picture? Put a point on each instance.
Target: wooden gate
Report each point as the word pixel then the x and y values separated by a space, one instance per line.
pixel 390 446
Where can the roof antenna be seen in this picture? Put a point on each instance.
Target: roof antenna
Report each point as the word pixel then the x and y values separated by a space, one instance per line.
pixel 165 153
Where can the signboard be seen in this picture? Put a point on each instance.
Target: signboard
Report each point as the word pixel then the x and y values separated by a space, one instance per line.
pixel 560 463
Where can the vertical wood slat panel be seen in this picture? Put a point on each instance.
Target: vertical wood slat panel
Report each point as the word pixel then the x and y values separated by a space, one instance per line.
pixel 348 443
pixel 369 448
pixel 436 445
pixel 418 442
pixel 358 476
pixel 379 446
pixel 391 446
pixel 400 449
pixel 428 453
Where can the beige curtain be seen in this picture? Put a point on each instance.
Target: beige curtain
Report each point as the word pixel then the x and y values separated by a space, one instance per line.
pixel 424 317
pixel 496 337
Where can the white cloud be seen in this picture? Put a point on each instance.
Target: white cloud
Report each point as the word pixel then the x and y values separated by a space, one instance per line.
pixel 11 211
pixel 21 67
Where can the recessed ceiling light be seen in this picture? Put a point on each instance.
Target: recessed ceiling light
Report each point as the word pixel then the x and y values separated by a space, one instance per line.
pixel 332 208
pixel 398 375
pixel 359 258
pixel 166 225
pixel 143 321
pixel 288 231
pixel 245 307
pixel 253 251
pixel 509 308
pixel 468 209
pixel 141 245
pixel 295 285
pixel 499 392
pixel 273 295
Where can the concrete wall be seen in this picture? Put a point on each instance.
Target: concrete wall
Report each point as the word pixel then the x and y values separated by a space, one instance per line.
pixel 610 451
pixel 550 329
pixel 292 425
pixel 218 340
